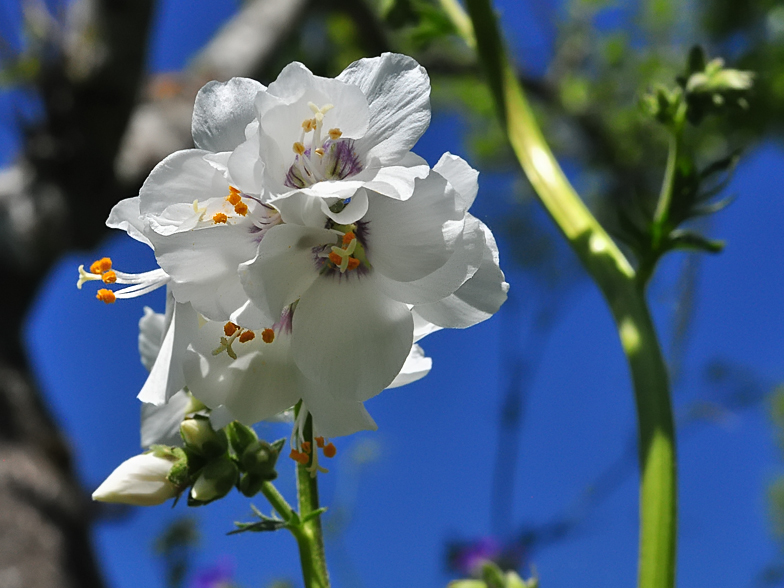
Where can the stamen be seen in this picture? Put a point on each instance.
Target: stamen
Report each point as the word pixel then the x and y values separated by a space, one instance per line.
pixel 335 258
pixel 348 238
pixel 319 442
pixel 219 217
pixel 268 335
pixel 330 450
pixel 298 148
pixel 319 151
pixel 309 124
pixel 353 263
pixel 335 134
pixel 241 208
pixel 247 336
pixel 230 328
pixel 300 458
pixel 109 277
pixel 306 447
pixel 102 265
pixel 106 296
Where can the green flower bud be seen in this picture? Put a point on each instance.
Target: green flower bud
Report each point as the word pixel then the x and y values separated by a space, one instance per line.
pixel 240 436
pixel 259 459
pixel 198 435
pixel 215 480
pixel 250 485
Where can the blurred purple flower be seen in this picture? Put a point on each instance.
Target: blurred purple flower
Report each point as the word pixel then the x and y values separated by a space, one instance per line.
pixel 219 575
pixel 466 557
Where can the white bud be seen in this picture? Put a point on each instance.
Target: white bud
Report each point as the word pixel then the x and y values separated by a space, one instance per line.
pixel 141 481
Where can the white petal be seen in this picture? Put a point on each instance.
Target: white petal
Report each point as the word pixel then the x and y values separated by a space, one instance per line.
pixel 398 93
pixel 464 263
pixel 351 213
pixel 181 178
pixel 462 176
pixel 152 327
pixel 246 169
pixel 422 327
pixel 284 268
pixel 350 337
pixel 398 181
pixel 406 239
pixel 336 418
pixel 166 377
pixel 161 424
pixel 476 300
pixel 417 366
pixel 299 208
pixel 125 216
pixel 203 266
pixel 221 113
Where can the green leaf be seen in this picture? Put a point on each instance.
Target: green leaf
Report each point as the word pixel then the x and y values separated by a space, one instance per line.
pixel 312 515
pixel 690 240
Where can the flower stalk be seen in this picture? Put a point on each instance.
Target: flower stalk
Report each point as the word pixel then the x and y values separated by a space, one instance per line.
pixel 619 283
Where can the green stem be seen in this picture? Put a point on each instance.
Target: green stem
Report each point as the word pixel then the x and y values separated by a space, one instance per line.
pixel 307 494
pixel 617 280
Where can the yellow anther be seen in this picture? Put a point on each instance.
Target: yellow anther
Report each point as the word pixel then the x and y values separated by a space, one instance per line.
pixel 319 151
pixel 268 335
pixel 219 217
pixel 298 148
pixel 230 328
pixel 247 336
pixel 106 296
pixel 241 208
pixel 109 277
pixel 234 190
pixel 234 198
pixel 102 265
pixel 309 124
pixel 330 450
pixel 335 134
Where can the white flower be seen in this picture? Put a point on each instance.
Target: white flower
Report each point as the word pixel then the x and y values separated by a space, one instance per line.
pixel 141 480
pixel 351 288
pixel 330 137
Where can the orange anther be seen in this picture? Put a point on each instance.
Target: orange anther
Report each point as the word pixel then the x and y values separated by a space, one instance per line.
pixel 268 335
pixel 353 263
pixel 335 258
pixel 300 458
pixel 234 198
pixel 309 124
pixel 247 336
pixel 230 328
pixel 241 208
pixel 306 446
pixel 330 450
pixel 102 265
pixel 219 217
pixel 335 134
pixel 319 442
pixel 298 148
pixel 234 190
pixel 109 277
pixel 106 296
pixel 348 238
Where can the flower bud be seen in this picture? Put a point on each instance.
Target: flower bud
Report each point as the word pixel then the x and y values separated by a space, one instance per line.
pixel 240 436
pixel 259 458
pixel 141 480
pixel 215 481
pixel 198 434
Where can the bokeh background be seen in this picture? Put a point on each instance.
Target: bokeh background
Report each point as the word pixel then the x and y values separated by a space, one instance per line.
pixel 520 444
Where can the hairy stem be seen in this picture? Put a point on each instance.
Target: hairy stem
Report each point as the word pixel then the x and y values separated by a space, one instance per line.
pixel 617 280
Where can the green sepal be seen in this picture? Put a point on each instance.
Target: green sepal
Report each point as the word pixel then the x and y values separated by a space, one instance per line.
pixel 179 475
pixel 259 459
pixel 215 480
pixel 250 485
pixel 278 445
pixel 493 576
pixel 240 436
pixel 467 584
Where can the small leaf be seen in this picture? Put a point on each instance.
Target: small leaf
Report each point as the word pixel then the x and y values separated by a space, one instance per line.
pixel 312 515
pixel 684 239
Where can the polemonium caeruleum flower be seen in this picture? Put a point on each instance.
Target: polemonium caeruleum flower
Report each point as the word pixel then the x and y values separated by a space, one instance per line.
pixel 305 248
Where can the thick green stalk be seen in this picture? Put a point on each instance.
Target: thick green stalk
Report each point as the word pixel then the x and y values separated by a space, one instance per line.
pixel 307 494
pixel 618 282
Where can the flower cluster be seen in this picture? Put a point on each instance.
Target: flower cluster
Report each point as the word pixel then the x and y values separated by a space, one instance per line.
pixel 305 249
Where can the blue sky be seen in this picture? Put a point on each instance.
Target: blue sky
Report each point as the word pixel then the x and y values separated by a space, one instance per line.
pixel 431 478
